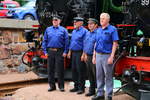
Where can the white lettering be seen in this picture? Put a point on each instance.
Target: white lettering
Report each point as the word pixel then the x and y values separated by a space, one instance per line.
pixel 145 2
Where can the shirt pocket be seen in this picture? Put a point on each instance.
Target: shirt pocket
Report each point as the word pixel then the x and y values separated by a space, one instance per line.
pixel 79 37
pixel 60 34
pixel 92 40
pixel 107 37
pixel 50 34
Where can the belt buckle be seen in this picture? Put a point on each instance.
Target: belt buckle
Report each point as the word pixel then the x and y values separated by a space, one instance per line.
pixel 101 53
pixel 53 49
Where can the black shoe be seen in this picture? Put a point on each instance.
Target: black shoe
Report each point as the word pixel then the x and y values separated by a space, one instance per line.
pixel 108 98
pixel 90 94
pixel 80 91
pixel 61 89
pixel 98 97
pixel 74 90
pixel 51 89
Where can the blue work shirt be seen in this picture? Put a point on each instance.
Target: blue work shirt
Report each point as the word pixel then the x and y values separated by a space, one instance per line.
pixel 55 37
pixel 105 38
pixel 78 35
pixel 89 42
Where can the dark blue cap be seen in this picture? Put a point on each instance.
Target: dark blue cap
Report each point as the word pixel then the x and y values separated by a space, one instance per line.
pixel 92 20
pixel 57 17
pixel 78 19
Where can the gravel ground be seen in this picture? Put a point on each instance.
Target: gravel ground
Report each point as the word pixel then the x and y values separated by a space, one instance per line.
pixel 39 92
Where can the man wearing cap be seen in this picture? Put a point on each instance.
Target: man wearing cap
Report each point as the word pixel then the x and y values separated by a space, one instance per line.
pixel 89 43
pixel 55 44
pixel 106 45
pixel 76 53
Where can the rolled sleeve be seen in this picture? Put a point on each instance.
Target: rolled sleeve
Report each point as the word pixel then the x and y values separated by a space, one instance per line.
pixel 115 36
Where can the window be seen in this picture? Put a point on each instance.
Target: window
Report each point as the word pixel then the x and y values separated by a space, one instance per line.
pixel 9 5
pixel 1 5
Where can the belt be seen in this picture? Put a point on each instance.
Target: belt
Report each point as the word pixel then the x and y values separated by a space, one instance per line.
pixel 103 53
pixel 55 49
pixel 77 50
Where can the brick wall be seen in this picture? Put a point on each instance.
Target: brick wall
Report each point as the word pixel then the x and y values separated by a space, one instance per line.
pixel 12 44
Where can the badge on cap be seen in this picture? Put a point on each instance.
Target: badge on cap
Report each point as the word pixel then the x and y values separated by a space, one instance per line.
pixel 78 19
pixel 56 17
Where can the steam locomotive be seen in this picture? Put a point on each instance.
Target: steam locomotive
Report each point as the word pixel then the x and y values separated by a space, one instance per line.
pixel 131 17
pixel 67 9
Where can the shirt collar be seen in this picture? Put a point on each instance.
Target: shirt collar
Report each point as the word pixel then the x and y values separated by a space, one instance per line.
pixel 106 27
pixel 94 31
pixel 56 27
pixel 77 29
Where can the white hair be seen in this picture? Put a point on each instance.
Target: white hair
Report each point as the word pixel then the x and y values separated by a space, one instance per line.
pixel 106 15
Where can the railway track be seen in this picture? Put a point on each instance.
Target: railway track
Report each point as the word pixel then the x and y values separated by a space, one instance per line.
pixel 8 89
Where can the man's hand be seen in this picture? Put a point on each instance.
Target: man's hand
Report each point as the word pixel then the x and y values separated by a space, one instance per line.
pixel 85 57
pixel 94 59
pixel 69 55
pixel 46 55
pixel 82 57
pixel 110 60
pixel 64 55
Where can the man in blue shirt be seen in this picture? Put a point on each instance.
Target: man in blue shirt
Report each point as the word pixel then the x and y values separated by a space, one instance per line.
pixel 106 45
pixel 89 43
pixel 55 44
pixel 76 52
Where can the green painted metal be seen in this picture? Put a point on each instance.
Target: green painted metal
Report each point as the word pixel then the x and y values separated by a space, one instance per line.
pixel 108 4
pixel 105 6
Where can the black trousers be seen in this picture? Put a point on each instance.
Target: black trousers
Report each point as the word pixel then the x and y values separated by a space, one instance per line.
pixel 55 64
pixel 91 71
pixel 78 70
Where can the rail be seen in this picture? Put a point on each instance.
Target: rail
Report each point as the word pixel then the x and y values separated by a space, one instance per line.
pixel 10 87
